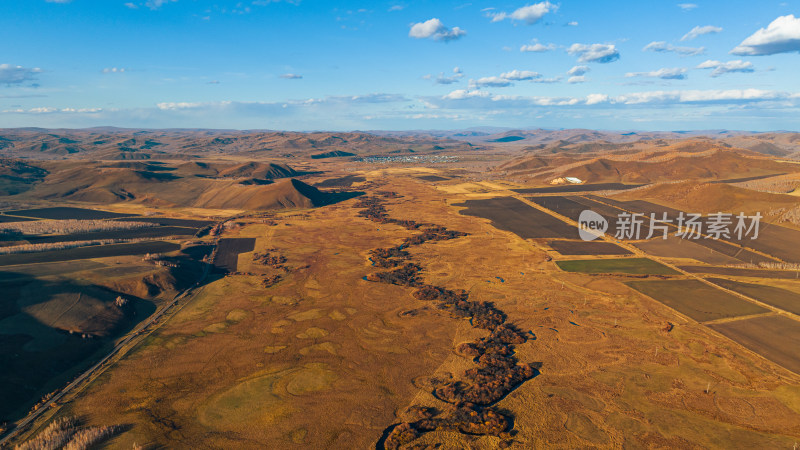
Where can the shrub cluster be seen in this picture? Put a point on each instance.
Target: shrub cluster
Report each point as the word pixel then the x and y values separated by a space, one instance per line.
pixel 497 370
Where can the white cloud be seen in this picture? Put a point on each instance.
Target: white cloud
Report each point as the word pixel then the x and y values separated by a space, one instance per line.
pixel 58 1
pixel 396 8
pixel 114 70
pixel 578 71
pixel 599 53
pixel 460 94
pixel 529 14
pixel 572 24
pixel 593 99
pixel 699 31
pixel 780 36
pixel 490 82
pixel 434 29
pixel 131 5
pixel 155 4
pixel 520 75
pixel 577 79
pixel 687 6
pixel 17 74
pixel 291 76
pixel 662 47
pixel 677 73
pixel 721 68
pixel 505 79
pixel 537 47
pixel 442 79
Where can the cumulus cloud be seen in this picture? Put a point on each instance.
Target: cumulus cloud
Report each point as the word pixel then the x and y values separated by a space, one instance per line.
pixel 114 70
pixel 677 73
pixel 131 5
pixel 699 31
pixel 155 4
pixel 291 76
pixel 599 53
pixel 443 79
pixel 593 99
pixel 576 79
pixel 572 24
pixel 434 29
pixel 460 94
pixel 578 71
pixel 780 36
pixel 687 6
pixel 506 79
pixel 17 74
pixel 537 47
pixel 721 68
pixel 529 14
pixel 663 47
pixel 521 75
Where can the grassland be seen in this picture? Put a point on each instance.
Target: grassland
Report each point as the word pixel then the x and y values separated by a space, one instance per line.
pixel 326 359
pixel 635 266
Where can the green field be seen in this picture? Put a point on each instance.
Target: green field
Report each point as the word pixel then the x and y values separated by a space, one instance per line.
pixel 636 266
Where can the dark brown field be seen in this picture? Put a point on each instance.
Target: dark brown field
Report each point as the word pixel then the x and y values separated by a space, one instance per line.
pixel 696 299
pixel 510 214
pixel 775 337
pixel 577 248
pixel 773 296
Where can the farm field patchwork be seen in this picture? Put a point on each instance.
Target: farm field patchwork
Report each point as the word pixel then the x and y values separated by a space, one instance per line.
pixel 140 233
pixel 510 214
pixel 741 272
pixel 64 212
pixel 774 296
pixel 573 248
pixel 634 266
pixel 696 299
pixel 228 251
pixel 93 251
pixel 578 188
pixel 776 338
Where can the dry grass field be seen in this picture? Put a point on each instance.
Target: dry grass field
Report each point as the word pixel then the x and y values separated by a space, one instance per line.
pixel 325 359
pixel 343 320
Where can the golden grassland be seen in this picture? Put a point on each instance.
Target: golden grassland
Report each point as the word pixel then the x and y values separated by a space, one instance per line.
pixel 325 359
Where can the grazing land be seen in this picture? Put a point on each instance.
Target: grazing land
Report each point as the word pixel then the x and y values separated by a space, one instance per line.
pixel 406 291
pixel 696 299
pixel 636 266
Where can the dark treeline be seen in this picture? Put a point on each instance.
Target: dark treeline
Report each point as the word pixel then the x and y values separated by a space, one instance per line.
pixel 497 370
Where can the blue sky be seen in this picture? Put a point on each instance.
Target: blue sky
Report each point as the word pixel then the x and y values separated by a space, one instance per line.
pixel 314 65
